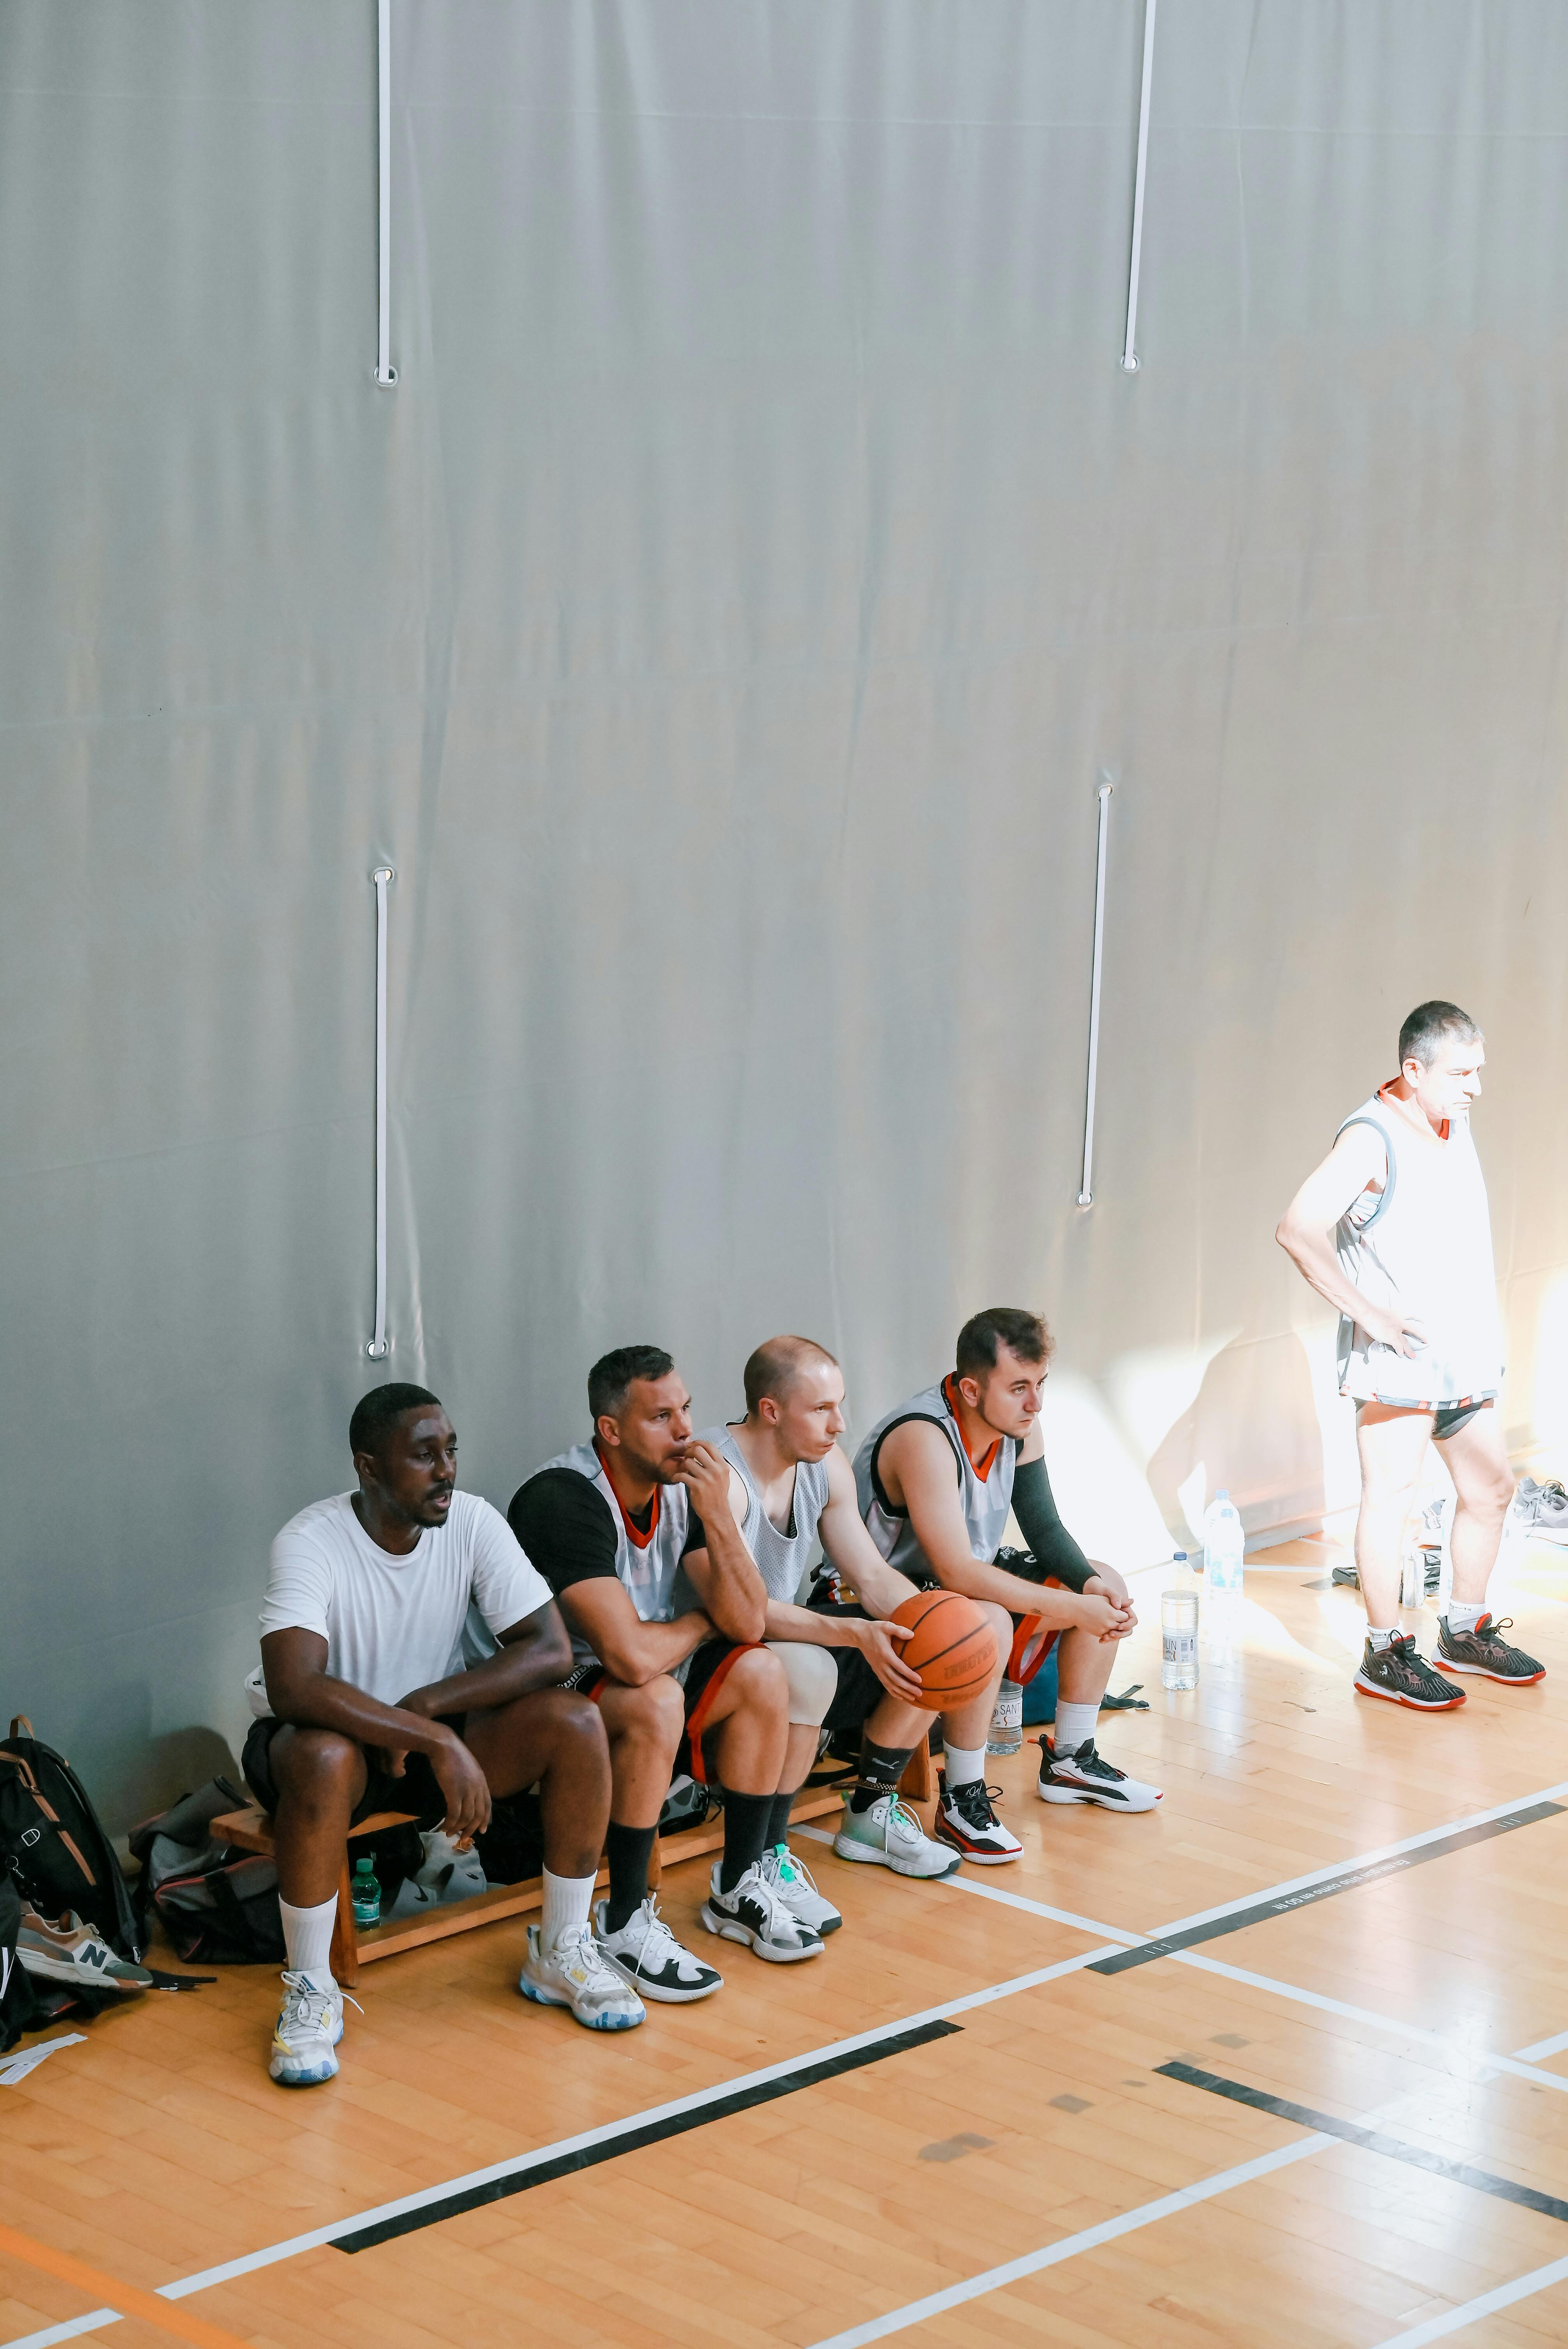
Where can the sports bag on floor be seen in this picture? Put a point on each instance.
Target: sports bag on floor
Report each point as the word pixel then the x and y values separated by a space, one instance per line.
pixel 19 2009
pixel 53 1845
pixel 218 1905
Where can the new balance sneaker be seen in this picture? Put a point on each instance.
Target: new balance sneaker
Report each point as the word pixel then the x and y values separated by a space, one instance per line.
pixel 576 1973
pixel 1087 1776
pixel 305 2035
pixel 1543 1509
pixel 1400 1676
pixel 792 1881
pixel 70 1952
pixel 1485 1650
pixel 753 1913
pixel 965 1819
pixel 889 1835
pixel 645 1953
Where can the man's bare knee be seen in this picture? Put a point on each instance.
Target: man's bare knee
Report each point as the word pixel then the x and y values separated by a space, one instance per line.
pixel 317 1765
pixel 656 1712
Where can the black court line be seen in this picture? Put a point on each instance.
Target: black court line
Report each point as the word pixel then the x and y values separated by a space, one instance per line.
pixel 1350 1881
pixel 1395 2149
pixel 634 2136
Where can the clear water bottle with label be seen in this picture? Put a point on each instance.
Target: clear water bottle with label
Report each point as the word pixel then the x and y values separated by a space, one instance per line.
pixel 366 1886
pixel 1223 1543
pixel 1008 1720
pixel 1178 1628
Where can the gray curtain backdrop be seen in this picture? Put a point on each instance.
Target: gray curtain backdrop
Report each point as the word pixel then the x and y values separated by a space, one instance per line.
pixel 722 629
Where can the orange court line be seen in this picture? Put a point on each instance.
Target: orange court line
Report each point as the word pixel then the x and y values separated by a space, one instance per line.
pixel 109 2291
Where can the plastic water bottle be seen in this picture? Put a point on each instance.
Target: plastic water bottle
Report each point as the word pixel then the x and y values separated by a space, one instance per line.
pixel 1178 1628
pixel 1008 1720
pixel 1224 1543
pixel 366 1893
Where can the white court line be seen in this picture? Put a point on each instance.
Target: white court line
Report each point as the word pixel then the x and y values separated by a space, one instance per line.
pixel 67 2332
pixel 1487 2303
pixel 1015 1900
pixel 1544 2047
pixel 1089 2239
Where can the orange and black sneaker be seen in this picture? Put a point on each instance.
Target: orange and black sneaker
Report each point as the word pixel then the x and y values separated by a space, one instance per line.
pixel 1400 1676
pixel 1485 1650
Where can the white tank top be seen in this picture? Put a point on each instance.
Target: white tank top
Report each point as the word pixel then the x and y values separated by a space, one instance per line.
pixel 984 1500
pixel 1424 1244
pixel 646 1564
pixel 781 1559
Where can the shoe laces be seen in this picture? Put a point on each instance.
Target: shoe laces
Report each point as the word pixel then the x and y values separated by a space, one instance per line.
pixel 655 1939
pixel 977 1801
pixel 581 1958
pixel 1091 1762
pixel 754 1885
pixel 304 2003
pixel 779 1866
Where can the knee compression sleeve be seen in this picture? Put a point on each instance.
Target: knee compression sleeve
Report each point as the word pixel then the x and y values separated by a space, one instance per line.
pixel 813 1680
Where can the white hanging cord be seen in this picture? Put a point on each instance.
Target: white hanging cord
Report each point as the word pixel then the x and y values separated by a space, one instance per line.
pixel 380 1346
pixel 386 373
pixel 1085 1197
pixel 1129 354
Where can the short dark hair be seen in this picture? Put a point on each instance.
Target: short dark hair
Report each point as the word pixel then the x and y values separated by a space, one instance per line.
pixel 983 1335
pixel 374 1412
pixel 611 1375
pixel 773 1369
pixel 1424 1031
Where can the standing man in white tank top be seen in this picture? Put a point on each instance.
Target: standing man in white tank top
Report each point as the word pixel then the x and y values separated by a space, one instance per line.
pixel 1393 1228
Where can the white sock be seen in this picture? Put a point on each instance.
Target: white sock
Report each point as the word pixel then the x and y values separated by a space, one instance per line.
pixel 963 1766
pixel 1075 1727
pixel 307 1942
pixel 1462 1619
pixel 567 1901
pixel 1381 1638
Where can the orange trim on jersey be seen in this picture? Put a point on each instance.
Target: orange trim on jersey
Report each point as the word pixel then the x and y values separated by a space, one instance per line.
pixel 1386 1094
pixel 638 1541
pixel 1021 1665
pixel 982 1466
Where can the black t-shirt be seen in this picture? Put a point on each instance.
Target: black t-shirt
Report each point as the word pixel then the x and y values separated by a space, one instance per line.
pixel 564 1525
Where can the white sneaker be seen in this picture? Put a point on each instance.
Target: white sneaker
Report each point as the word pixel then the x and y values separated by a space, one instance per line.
pixel 308 2028
pixel 645 1953
pixel 577 1974
pixel 890 1836
pixel 966 1818
pixel 69 1952
pixel 754 1914
pixel 792 1879
pixel 1087 1776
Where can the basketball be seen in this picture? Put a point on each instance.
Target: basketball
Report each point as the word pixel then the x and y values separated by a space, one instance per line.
pixel 951 1647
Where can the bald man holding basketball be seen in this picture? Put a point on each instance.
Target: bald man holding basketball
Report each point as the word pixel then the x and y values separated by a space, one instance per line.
pixel 844 1665
pixel 936 1480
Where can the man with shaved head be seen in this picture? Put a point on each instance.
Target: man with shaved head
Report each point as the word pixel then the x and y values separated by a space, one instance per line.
pixel 843 1669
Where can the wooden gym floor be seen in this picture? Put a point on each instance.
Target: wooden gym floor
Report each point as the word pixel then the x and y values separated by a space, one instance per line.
pixel 1337 2157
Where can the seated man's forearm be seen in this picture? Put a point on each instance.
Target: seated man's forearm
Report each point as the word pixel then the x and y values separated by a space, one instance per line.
pixel 515 1670
pixel 1051 1545
pixel 316 1701
pixel 1060 1610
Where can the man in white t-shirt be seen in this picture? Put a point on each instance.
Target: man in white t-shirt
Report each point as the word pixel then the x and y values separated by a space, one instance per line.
pixel 363 1704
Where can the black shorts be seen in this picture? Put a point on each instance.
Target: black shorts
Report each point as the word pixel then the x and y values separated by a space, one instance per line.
pixel 1448 1418
pixel 708 1670
pixel 417 1791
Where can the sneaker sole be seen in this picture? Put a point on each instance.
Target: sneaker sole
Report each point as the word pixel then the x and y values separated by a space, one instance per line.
pixel 981 1858
pixel 50 1967
pixel 730 1928
pixel 589 2021
pixel 1415 1703
pixel 1101 1801
pixel 303 2079
pixel 1507 1680
pixel 848 1849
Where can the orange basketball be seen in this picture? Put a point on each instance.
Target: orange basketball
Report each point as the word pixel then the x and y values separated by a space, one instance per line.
pixel 952 1648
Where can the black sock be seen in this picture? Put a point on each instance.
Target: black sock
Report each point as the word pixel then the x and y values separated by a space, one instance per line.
pixel 779 1819
pixel 881 1767
pixel 628 1851
pixel 746 1818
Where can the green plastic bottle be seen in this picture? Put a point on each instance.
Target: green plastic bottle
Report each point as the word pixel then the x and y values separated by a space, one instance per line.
pixel 366 1893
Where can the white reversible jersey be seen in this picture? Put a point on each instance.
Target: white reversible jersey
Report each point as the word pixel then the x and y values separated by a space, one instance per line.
pixel 1423 1243
pixel 780 1559
pixel 984 1500
pixel 647 1565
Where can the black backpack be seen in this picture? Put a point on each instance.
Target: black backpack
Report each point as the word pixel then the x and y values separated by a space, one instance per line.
pixel 218 1905
pixel 52 1843
pixel 19 2009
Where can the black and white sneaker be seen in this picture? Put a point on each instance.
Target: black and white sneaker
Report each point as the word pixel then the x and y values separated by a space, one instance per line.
pixel 754 1914
pixel 1485 1650
pixel 965 1819
pixel 1087 1776
pixel 645 1953
pixel 1400 1676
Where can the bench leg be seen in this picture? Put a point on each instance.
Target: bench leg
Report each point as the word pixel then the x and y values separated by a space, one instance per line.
pixel 344 1941
pixel 915 1784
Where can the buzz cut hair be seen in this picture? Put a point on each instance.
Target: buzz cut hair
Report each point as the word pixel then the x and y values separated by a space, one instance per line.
pixel 1423 1034
pixel 776 1365
pixel 983 1335
pixel 374 1412
pixel 611 1378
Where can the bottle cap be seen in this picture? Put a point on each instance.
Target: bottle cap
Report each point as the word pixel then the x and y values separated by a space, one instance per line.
pixel 1223 1493
pixel 1179 1557
pixel 364 1866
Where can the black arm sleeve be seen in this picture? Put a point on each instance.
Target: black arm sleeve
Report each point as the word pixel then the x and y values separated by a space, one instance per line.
pixel 564 1526
pixel 1050 1543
